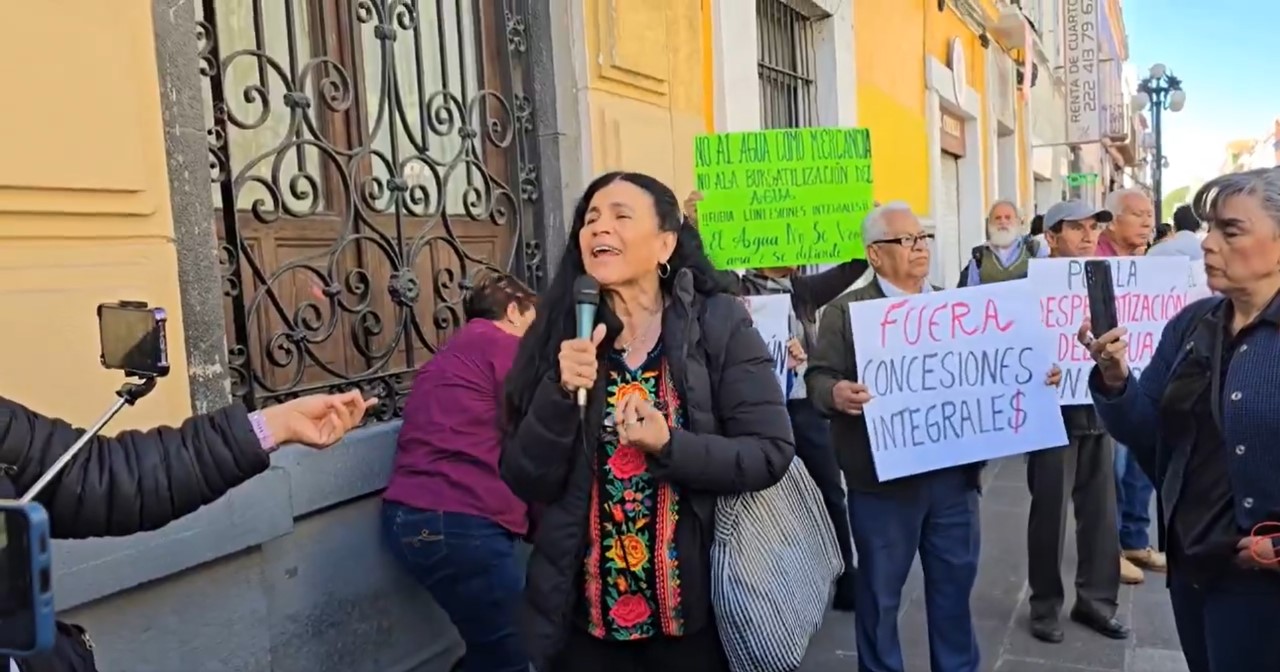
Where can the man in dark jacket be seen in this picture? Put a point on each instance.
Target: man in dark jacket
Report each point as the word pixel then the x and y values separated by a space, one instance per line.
pixel 889 518
pixel 143 480
pixel 1082 472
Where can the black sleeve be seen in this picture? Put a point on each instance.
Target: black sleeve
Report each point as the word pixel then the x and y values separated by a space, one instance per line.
pixel 136 481
pixel 832 360
pixel 815 291
pixel 755 446
pixel 537 454
pixel 963 280
pixel 731 281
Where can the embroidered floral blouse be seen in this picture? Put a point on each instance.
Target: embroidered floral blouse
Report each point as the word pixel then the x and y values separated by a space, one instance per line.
pixel 632 568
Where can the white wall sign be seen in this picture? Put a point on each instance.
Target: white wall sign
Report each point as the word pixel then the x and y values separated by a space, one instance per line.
pixel 1080 19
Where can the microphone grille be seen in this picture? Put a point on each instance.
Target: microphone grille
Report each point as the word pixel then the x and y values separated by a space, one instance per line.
pixel 586 290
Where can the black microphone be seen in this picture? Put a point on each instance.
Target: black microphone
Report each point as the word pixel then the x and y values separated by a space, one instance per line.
pixel 586 293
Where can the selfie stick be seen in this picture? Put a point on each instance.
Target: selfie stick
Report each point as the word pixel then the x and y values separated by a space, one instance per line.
pixel 128 394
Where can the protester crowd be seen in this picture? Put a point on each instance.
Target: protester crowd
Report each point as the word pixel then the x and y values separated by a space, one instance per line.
pixel 629 453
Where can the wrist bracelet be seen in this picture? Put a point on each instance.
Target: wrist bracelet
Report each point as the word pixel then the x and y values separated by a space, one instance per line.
pixel 260 429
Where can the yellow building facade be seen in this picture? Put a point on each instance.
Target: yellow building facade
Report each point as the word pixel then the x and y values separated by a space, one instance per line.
pixel 917 74
pixel 643 80
pixel 84 205
pixel 937 87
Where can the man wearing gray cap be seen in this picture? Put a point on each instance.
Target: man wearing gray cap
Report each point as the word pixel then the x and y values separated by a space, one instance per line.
pixel 1082 471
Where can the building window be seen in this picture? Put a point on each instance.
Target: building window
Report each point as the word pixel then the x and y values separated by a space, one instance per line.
pixel 785 42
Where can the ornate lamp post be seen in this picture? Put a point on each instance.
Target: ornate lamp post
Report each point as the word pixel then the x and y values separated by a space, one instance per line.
pixel 1162 91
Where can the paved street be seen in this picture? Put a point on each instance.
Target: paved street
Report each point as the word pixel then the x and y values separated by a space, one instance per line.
pixel 1000 607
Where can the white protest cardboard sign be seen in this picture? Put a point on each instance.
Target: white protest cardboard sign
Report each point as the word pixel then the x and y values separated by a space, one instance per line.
pixel 772 316
pixel 955 377
pixel 1197 282
pixel 1149 291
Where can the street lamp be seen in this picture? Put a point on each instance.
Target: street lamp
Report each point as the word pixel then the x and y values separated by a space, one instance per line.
pixel 1162 91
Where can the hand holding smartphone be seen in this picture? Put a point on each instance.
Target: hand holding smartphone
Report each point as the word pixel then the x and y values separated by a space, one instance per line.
pixel 1109 355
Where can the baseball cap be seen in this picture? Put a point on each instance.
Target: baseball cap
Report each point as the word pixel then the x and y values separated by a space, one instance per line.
pixel 1074 211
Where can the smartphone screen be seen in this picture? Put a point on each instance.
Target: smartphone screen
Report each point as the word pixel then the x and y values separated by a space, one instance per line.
pixel 1102 296
pixel 17 599
pixel 133 339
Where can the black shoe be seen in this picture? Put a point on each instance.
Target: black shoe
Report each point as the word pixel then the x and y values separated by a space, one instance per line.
pixel 846 590
pixel 1047 631
pixel 1107 627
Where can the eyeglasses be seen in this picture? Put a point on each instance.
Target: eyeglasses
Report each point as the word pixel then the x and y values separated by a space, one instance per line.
pixel 910 242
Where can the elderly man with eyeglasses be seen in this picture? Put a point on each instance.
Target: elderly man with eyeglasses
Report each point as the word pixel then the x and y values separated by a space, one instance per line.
pixel 933 514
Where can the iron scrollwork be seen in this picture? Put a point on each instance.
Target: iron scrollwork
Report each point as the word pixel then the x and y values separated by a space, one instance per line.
pixel 353 142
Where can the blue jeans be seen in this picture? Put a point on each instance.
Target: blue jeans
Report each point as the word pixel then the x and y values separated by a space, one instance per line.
pixel 469 566
pixel 1230 625
pixel 1133 501
pixel 937 518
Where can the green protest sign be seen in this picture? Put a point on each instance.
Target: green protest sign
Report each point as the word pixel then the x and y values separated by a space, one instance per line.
pixel 1081 179
pixel 786 197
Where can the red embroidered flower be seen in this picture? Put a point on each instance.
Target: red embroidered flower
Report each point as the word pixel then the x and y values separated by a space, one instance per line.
pixel 630 611
pixel 627 462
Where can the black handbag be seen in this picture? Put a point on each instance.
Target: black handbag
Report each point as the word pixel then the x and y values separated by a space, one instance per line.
pixel 72 652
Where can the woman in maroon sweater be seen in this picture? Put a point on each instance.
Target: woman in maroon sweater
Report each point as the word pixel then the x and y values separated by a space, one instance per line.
pixel 447 515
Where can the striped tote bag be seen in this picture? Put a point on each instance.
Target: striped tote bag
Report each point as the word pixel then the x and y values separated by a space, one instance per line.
pixel 773 561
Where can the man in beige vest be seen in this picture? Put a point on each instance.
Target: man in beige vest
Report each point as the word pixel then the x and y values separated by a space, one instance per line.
pixel 1007 251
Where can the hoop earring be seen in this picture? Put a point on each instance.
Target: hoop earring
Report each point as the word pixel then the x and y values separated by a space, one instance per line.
pixel 664 270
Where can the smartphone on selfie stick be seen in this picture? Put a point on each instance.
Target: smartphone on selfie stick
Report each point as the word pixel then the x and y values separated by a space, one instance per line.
pixel 133 341
pixel 1102 297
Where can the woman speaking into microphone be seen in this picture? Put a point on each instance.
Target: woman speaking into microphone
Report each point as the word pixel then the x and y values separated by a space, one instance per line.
pixel 682 406
pixel 1203 421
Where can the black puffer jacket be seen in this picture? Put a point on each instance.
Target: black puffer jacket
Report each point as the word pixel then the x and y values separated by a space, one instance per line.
pixel 134 482
pixel 738 440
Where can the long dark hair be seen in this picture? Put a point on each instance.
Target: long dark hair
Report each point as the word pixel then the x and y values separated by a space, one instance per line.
pixel 555 321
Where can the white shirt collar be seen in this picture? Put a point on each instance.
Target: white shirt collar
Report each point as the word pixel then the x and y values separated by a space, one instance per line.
pixel 891 289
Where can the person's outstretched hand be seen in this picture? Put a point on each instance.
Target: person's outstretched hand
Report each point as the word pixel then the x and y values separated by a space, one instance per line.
pixel 319 420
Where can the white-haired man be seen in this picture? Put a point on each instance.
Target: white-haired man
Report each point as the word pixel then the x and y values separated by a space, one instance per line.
pixel 1128 235
pixel 1007 251
pixel 889 518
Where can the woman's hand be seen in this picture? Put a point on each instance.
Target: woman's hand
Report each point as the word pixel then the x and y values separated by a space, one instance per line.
pixel 1257 553
pixel 641 425
pixel 318 420
pixel 1109 351
pixel 578 363
pixel 1054 377
pixel 796 355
